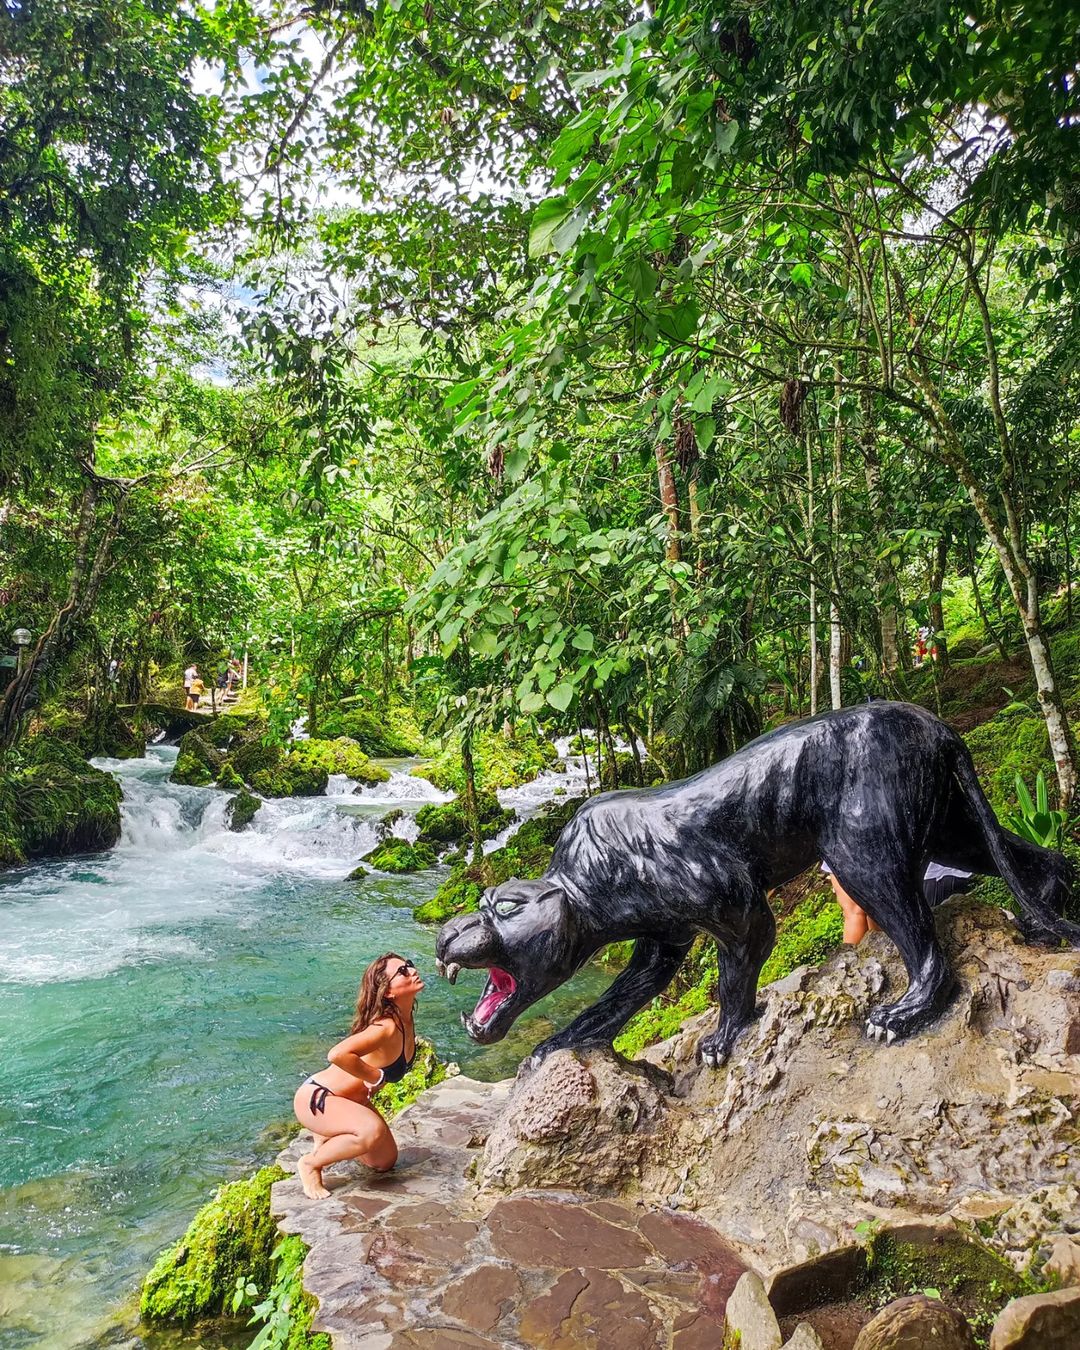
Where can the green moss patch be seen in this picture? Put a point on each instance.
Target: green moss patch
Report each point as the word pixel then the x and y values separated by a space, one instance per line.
pixel 198 762
pixel 398 856
pixel 231 1237
pixel 961 1271
pixel 1011 743
pixel 446 823
pixel 427 1070
pixel 393 736
pixel 241 810
pixel 500 762
pixel 806 936
pixel 526 854
pixel 55 804
pixel 342 755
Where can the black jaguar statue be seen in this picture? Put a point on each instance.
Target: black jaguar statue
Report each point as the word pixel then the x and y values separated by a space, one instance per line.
pixel 876 791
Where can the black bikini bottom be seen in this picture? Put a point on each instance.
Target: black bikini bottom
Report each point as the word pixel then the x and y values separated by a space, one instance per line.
pixel 317 1105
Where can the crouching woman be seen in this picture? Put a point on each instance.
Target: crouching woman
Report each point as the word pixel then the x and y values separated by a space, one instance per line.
pixel 335 1104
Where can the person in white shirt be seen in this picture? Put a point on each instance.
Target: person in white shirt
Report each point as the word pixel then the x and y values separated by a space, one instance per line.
pixel 190 676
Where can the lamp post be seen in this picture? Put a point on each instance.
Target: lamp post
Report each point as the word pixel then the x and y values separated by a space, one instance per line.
pixel 21 639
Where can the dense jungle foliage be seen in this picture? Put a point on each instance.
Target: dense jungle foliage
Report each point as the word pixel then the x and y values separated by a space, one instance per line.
pixel 660 373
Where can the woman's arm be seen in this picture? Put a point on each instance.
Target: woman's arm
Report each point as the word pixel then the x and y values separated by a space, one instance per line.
pixel 349 1053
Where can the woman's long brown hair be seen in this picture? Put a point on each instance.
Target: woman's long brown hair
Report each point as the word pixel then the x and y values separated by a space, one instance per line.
pixel 373 1001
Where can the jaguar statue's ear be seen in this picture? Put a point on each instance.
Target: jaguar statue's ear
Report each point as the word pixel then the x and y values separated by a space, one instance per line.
pixel 552 892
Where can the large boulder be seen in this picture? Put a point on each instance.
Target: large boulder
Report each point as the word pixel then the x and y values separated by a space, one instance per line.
pixel 1039 1322
pixel 56 804
pixel 580 1121
pixel 198 761
pixel 917 1323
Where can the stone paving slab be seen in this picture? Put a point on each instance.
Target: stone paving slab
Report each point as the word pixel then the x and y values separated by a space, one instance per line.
pixel 419 1259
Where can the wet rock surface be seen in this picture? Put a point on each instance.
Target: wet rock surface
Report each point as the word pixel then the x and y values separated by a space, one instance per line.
pixel 813 1128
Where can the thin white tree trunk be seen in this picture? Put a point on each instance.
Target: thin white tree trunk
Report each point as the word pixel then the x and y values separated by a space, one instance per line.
pixel 834 656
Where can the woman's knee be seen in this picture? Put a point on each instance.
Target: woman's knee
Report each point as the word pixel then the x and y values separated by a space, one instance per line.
pixel 383 1154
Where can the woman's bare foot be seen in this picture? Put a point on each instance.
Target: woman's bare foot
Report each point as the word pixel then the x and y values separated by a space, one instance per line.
pixel 311 1179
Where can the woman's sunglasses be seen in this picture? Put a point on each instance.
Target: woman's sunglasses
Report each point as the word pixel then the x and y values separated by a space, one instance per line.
pixel 403 970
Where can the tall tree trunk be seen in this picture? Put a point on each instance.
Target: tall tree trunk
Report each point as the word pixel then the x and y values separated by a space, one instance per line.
pixel 1023 587
pixel 885 581
pixel 835 636
pixel 472 815
pixel 976 590
pixel 937 613
pixel 669 500
pixel 812 636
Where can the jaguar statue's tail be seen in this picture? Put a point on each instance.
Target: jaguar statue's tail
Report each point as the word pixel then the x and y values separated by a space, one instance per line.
pixel 1039 878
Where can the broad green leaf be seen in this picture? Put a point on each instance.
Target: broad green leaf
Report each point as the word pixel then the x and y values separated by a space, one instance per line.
pixel 561 696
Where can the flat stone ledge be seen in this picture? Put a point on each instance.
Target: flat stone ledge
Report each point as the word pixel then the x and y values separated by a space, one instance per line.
pixel 421 1259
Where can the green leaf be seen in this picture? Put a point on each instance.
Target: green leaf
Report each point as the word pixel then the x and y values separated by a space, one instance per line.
pixel 547 219
pixel 583 640
pixel 561 696
pixel 485 643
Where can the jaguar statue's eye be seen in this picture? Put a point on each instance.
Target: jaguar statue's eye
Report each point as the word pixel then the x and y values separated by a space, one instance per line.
pixel 504 908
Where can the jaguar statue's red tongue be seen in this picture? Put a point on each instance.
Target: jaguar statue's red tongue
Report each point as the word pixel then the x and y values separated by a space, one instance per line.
pixel 500 986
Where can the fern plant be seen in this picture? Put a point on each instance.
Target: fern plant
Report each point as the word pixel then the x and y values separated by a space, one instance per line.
pixel 1035 820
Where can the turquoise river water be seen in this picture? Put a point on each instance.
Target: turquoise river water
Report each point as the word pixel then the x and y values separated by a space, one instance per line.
pixel 160 1002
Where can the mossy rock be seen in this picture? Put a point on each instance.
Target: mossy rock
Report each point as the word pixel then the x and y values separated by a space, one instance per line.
pixel 233 1235
pixel 500 762
pixel 255 756
pixel 526 854
pixel 398 856
pixel 11 850
pixel 292 777
pixel 57 804
pixel 241 810
pixel 395 737
pixel 228 777
pixel 427 1070
pixel 198 762
pixel 966 1274
pixel 342 755
pixel 446 823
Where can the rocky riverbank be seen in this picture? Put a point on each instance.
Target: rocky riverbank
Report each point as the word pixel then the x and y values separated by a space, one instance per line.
pixel 591 1192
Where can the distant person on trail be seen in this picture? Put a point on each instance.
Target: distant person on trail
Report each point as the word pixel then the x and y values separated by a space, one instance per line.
pixel 192 673
pixel 335 1104
pixel 195 694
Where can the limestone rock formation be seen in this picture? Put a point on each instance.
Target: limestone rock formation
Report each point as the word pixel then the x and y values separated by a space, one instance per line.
pixel 580 1121
pixel 1039 1322
pixel 813 1128
pixel 750 1322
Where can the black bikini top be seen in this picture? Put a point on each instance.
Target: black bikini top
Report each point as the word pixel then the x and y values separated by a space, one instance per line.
pixel 394 1072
